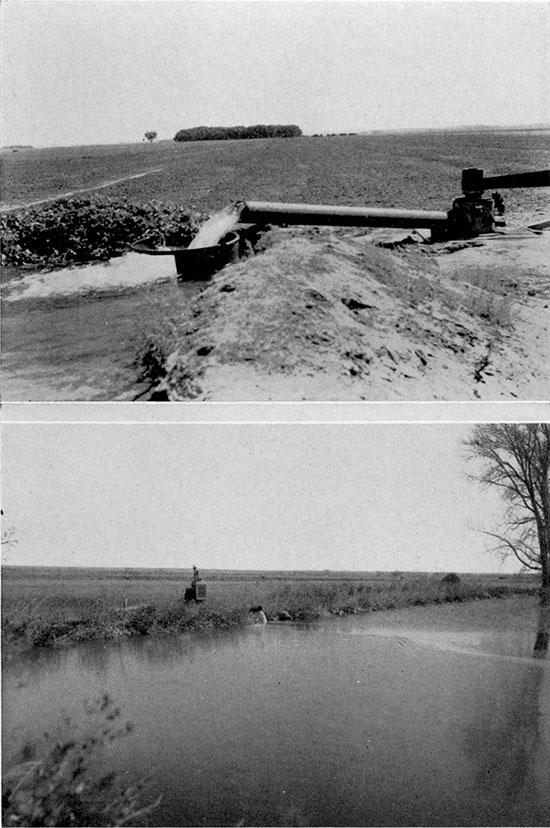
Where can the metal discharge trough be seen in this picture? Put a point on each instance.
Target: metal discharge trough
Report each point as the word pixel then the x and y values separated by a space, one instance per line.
pixel 195 263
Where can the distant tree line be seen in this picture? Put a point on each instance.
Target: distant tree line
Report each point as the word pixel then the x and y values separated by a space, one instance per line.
pixel 333 134
pixel 204 133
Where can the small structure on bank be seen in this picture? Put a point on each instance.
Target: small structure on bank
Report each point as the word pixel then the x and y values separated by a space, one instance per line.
pixel 197 590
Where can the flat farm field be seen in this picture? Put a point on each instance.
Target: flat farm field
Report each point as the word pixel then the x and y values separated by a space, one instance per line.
pixel 408 170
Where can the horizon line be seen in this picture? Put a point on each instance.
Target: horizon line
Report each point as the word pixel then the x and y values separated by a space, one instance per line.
pixel 339 133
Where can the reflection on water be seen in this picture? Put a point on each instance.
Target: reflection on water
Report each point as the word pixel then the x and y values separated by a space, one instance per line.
pixel 540 649
pixel 356 721
pixel 505 741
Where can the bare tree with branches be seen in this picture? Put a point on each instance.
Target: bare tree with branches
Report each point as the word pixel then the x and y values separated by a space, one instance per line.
pixel 9 540
pixel 516 459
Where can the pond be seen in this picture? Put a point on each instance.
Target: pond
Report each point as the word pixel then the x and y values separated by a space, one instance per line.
pixel 73 334
pixel 425 716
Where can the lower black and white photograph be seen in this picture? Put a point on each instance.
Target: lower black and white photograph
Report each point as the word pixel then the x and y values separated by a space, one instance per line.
pixel 285 624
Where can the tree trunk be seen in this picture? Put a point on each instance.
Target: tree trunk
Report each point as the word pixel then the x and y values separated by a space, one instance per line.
pixel 545 580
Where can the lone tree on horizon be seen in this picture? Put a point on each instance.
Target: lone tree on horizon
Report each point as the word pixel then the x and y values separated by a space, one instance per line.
pixel 516 459
pixel 151 135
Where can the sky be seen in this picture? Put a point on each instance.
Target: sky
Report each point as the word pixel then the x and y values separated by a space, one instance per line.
pixel 81 72
pixel 246 496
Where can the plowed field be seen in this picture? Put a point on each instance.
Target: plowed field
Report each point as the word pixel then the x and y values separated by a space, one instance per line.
pixel 418 170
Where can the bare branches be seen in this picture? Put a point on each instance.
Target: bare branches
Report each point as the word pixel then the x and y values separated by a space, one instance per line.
pixel 516 460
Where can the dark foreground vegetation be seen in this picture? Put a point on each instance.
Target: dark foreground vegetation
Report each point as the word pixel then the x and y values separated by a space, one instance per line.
pixel 204 133
pixel 76 230
pixel 51 608
pixel 55 782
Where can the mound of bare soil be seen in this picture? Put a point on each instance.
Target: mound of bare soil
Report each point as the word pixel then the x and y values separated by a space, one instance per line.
pixel 344 315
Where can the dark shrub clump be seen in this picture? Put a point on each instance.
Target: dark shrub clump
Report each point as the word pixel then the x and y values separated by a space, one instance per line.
pixel 451 578
pixel 88 229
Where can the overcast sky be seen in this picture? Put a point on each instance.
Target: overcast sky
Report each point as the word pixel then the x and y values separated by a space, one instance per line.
pixel 361 497
pixel 77 72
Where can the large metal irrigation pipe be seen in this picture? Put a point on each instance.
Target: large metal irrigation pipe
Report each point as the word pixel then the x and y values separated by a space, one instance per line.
pixel 474 181
pixel 268 212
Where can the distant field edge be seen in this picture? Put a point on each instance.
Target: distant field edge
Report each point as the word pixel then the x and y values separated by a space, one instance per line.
pixel 11 208
pixel 11 570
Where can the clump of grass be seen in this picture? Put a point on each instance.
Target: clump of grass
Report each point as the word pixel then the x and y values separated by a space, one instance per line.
pixel 39 625
pixel 481 291
pixel 42 623
pixel 151 358
pixel 484 295
pixel 180 616
pixel 154 347
pixel 55 781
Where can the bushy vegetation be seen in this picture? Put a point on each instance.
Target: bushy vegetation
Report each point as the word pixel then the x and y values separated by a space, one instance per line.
pixel 204 133
pixel 46 624
pixel 89 229
pixel 317 599
pixel 127 607
pixel 55 781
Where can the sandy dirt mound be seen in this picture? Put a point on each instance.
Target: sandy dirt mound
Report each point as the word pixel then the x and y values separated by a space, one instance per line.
pixel 332 315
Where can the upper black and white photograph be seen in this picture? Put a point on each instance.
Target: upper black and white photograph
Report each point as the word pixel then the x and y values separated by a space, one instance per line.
pixel 275 201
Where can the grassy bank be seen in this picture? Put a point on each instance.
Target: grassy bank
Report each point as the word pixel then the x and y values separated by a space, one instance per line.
pixel 52 609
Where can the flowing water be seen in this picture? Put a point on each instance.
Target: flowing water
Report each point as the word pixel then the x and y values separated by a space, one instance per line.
pixel 427 716
pixel 217 226
pixel 72 334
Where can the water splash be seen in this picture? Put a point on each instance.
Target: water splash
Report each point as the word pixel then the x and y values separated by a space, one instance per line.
pixel 216 227
pixel 130 270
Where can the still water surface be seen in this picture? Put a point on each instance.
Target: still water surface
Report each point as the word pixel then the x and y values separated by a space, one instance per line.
pixel 426 716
